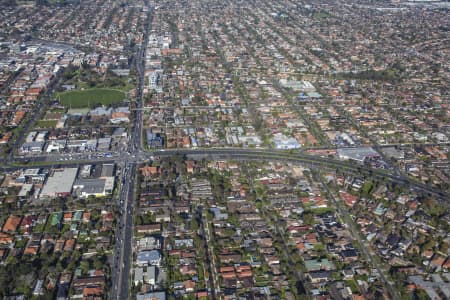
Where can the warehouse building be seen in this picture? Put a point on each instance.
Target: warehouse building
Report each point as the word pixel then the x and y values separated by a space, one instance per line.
pixel 359 154
pixel 97 187
pixel 59 184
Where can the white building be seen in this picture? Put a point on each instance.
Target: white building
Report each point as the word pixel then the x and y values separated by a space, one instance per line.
pixel 59 183
pixel 358 154
pixel 145 276
pixel 148 258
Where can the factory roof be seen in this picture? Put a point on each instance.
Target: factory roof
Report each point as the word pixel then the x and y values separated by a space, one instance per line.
pixel 60 182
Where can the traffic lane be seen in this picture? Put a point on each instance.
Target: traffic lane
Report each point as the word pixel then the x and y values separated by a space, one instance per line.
pixel 122 249
pixel 120 241
pixel 127 242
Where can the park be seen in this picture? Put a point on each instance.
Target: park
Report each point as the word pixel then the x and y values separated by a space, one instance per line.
pixel 91 97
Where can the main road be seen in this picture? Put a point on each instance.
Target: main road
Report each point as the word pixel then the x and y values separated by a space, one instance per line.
pixel 123 249
pixel 246 154
pixel 308 159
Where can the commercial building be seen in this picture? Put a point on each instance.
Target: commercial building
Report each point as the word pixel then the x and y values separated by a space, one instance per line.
pixel 303 85
pixel 31 176
pixel 359 154
pixel 148 276
pixel 59 183
pixel 32 147
pixel 107 170
pixel 97 187
pixel 283 142
pixel 152 296
pixel 25 190
pixel 149 258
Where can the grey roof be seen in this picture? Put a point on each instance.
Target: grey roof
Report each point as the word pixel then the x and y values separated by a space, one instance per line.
pixel 31 172
pixel 60 182
pixel 393 152
pixel 118 131
pixel 101 111
pixel 151 273
pixel 431 287
pixel 320 274
pixel 314 95
pixel 33 145
pixel 358 154
pixel 90 186
pixel 121 72
pixel 184 242
pixel 152 296
pixel 123 109
pixel 138 274
pixel 149 255
pixel 107 170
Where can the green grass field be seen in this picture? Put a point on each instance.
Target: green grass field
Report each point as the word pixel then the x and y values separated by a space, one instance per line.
pixel 91 97
pixel 46 124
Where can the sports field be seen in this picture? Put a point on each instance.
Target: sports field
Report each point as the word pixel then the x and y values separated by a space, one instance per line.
pixel 46 124
pixel 90 97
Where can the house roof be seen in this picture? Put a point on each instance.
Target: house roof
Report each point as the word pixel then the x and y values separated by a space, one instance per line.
pixel 12 223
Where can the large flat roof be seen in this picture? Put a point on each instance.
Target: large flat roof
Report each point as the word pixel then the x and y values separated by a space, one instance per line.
pixel 358 154
pixel 60 182
pixel 91 185
pixel 107 170
pixel 149 255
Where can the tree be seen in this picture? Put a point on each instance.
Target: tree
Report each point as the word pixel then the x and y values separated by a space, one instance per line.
pixel 421 294
pixel 443 247
pixel 100 260
pixel 308 218
pixel 84 266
